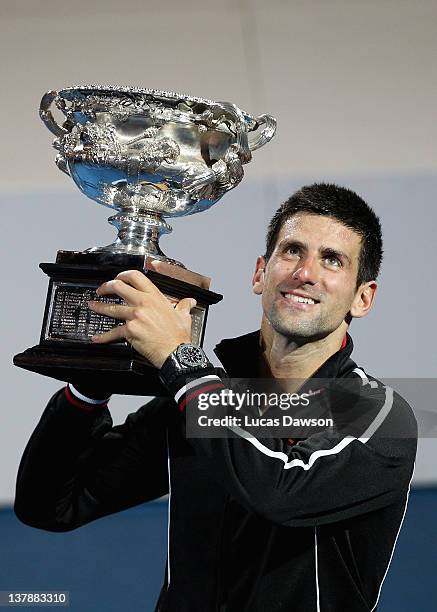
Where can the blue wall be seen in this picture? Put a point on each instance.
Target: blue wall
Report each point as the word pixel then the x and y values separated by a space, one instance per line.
pixel 117 563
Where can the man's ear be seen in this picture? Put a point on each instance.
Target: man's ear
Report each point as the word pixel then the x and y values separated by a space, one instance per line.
pixel 258 277
pixel 363 300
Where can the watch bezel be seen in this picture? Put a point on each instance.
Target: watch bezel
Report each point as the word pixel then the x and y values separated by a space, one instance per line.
pixel 185 361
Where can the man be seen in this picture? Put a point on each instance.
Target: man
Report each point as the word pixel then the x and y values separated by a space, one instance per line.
pixel 292 525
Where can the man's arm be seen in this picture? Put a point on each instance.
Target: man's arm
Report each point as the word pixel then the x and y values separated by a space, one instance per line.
pixel 77 467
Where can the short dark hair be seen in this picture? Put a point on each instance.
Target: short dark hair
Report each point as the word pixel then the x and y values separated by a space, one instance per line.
pixel 345 206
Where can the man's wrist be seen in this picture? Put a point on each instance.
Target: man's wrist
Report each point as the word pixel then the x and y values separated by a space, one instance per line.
pixel 185 391
pixel 86 396
pixel 186 361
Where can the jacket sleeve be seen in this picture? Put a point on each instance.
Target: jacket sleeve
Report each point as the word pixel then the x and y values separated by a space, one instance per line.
pixel 77 467
pixel 327 476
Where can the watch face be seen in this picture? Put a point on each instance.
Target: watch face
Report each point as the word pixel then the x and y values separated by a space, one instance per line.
pixel 190 355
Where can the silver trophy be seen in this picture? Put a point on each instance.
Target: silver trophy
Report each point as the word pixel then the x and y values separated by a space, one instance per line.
pixel 149 155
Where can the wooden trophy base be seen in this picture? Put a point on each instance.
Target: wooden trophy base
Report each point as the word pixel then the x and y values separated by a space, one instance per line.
pixel 65 351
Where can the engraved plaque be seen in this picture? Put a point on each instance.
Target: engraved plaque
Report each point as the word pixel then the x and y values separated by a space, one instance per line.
pixel 69 317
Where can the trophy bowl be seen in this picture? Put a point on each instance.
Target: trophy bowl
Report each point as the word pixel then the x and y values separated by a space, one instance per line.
pixel 151 155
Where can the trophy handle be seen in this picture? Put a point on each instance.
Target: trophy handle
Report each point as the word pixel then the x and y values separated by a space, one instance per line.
pixel 46 114
pixel 266 133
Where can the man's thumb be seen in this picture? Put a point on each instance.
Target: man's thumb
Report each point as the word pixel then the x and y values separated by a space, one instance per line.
pixel 186 305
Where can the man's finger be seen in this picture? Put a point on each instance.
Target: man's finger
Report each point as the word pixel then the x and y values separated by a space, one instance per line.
pixel 117 333
pixel 161 266
pixel 116 311
pixel 120 288
pixel 138 280
pixel 185 305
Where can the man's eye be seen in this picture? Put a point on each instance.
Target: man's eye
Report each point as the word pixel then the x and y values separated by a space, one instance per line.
pixel 333 261
pixel 293 250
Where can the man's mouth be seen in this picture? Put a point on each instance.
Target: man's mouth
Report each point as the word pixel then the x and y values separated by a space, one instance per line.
pixel 300 299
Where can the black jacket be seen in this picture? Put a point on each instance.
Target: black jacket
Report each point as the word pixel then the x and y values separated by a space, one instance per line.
pixel 255 525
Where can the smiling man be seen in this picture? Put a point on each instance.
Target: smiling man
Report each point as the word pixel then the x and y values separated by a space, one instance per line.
pixel 293 524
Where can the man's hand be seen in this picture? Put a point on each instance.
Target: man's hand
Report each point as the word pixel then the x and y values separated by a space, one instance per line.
pixel 154 327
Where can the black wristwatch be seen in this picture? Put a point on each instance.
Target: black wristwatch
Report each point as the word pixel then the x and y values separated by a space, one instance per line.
pixel 187 359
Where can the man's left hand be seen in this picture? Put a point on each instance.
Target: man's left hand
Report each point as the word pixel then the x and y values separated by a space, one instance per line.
pixel 154 327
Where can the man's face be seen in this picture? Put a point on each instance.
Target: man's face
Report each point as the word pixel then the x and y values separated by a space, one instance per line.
pixel 314 257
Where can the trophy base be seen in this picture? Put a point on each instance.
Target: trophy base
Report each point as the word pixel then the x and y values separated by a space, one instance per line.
pixel 123 372
pixel 65 351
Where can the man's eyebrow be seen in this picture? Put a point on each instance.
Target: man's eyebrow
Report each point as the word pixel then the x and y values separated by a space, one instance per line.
pixel 286 242
pixel 332 251
pixel 327 250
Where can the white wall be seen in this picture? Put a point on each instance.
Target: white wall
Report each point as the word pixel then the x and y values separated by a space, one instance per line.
pixel 352 83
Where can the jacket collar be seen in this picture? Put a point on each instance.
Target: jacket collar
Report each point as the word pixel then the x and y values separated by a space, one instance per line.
pixel 241 358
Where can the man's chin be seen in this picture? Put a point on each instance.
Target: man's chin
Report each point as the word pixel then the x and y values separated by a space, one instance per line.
pixel 300 332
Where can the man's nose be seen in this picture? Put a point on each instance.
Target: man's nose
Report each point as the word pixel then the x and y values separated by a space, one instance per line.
pixel 307 270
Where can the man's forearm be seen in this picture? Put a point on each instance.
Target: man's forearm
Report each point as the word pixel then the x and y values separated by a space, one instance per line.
pixel 49 466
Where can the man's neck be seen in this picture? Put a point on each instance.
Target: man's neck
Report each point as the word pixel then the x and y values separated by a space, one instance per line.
pixel 284 357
